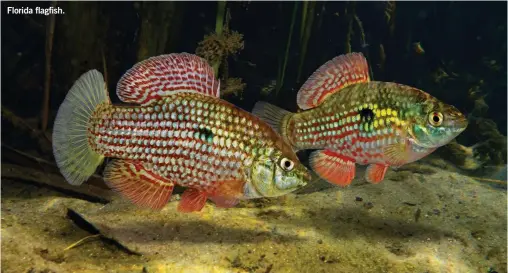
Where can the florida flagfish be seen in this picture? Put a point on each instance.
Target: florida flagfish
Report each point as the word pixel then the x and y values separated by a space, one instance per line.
pixel 352 120
pixel 177 131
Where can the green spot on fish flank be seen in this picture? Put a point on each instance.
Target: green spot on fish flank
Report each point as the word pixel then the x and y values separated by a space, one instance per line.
pixel 206 134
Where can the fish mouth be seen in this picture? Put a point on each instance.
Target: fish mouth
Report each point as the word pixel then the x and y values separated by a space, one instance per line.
pixel 460 125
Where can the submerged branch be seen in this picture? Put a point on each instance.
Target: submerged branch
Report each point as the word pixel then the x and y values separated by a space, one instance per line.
pixel 42 139
pixel 86 191
pixel 50 30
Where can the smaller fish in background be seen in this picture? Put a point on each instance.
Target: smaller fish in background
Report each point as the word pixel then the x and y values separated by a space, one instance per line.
pixel 267 89
pixel 349 119
pixel 418 48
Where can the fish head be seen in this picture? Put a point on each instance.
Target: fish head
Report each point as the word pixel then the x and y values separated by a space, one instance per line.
pixel 438 125
pixel 275 172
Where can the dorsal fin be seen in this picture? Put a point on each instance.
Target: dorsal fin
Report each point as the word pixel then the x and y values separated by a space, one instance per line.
pixel 160 76
pixel 331 77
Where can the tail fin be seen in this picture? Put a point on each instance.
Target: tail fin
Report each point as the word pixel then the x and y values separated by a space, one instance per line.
pixel 73 154
pixel 275 116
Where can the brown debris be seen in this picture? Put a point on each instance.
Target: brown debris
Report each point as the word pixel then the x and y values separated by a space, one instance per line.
pixel 232 86
pixel 215 48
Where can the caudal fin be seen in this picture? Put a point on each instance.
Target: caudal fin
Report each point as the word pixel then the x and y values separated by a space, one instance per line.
pixel 273 115
pixel 75 158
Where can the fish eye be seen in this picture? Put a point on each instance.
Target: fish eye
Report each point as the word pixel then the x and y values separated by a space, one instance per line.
pixel 286 164
pixel 435 118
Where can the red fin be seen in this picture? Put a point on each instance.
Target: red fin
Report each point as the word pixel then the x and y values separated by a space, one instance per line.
pixel 333 167
pixel 338 73
pixel 224 202
pixel 152 79
pixel 192 200
pixel 229 188
pixel 138 184
pixel 376 173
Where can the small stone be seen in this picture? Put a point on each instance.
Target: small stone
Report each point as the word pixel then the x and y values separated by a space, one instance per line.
pixel 368 205
pixel 358 199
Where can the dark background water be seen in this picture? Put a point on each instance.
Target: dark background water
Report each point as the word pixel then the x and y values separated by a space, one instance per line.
pixel 465 40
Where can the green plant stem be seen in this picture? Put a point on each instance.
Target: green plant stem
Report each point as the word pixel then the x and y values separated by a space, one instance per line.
pixel 219 24
pixel 304 19
pixel 306 36
pixel 280 81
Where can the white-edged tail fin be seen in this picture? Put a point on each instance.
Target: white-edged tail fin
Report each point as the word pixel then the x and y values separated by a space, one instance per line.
pixel 75 158
pixel 273 115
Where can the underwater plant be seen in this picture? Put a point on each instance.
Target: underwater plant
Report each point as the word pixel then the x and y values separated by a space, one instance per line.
pixel 218 46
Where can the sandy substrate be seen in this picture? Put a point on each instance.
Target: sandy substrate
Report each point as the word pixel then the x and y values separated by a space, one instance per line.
pixel 423 219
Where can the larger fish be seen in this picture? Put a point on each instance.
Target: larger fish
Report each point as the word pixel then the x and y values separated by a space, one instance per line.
pixel 180 132
pixel 351 119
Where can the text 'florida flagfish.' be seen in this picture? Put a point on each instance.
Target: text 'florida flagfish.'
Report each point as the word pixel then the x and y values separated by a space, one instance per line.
pixel 351 119
pixel 180 132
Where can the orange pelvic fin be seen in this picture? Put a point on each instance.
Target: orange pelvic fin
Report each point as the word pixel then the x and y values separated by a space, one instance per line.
pixel 138 184
pixel 375 173
pixel 333 167
pixel 192 200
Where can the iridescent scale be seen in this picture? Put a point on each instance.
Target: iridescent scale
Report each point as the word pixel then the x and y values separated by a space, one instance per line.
pixel 192 139
pixel 358 121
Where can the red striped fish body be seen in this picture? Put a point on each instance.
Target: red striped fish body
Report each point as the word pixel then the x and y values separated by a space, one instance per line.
pixel 181 133
pixel 351 119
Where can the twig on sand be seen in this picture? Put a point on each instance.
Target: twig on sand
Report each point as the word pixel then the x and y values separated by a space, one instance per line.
pixel 80 241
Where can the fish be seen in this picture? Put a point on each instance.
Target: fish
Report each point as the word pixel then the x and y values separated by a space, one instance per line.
pixel 418 48
pixel 172 130
pixel 349 119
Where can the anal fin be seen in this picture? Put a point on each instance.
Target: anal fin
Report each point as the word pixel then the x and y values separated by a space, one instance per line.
pixel 376 173
pixel 333 167
pixel 138 184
